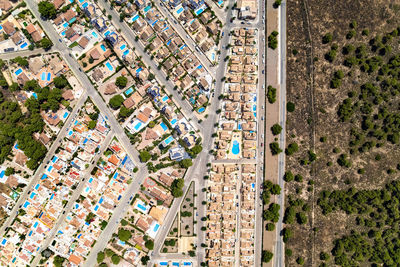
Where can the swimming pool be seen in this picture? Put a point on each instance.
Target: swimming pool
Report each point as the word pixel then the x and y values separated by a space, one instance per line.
pixel 179 11
pixel 138 125
pixel 201 110
pixel 213 56
pixel 235 147
pixel 34 95
pixel 156 227
pixel 122 47
pixel 126 52
pixel 2 174
pixel 139 70
pixel 173 122
pixel 50 168
pixel 135 18
pixel 168 140
pixel 26 204
pixel 85 5
pixel 220 2
pixel 18 71
pixel 96 207
pixel 115 175
pixel 107 33
pixel 165 98
pixel 239 126
pixel 24 45
pixel 163 126
pixel 44 176
pixel 109 66
pixel 43 76
pixel 33 194
pixel 199 11
pixel 16 146
pixel 81 1
pixel 183 46
pixel 54 159
pixel 101 200
pixel 163 263
pixel 129 91
pixel 147 8
pixel 175 263
pixel 65 25
pixel 63 33
pixel 94 34
pixel 73 19
pixel 48 76
pixel 65 114
pixel 141 207
pixel 90 180
pixel 254 107
pixel 187 263
pixel 103 47
pixel 199 67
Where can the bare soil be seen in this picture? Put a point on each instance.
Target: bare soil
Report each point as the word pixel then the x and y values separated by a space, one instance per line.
pixel 315 115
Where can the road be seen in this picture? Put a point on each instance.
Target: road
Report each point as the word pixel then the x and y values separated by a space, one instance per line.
pixel 279 255
pixel 73 198
pixel 129 37
pixel 25 53
pixel 39 171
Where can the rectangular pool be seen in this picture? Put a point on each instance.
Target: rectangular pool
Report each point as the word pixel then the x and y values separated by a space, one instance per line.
pixel 163 126
pixel 18 71
pixel 24 45
pixel 122 47
pixel 65 114
pixel 126 52
pixel 94 34
pixel 103 48
pixel 109 66
pixel 129 91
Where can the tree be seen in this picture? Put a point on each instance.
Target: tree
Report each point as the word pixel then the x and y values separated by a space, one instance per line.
pixel 275 149
pixel 270 227
pixel 14 87
pixel 46 43
pixel 271 94
pixel 186 163
pixel 144 156
pixel 115 259
pixel 121 81
pixel 116 101
pixel 273 40
pixel 145 260
pixel 266 256
pixel 286 233
pixel 58 261
pixel 324 256
pixel 125 112
pixel 276 129
pixel 124 235
pixel 92 125
pixel 288 176
pixel 9 171
pixel 100 257
pixel 21 61
pixel 60 82
pixel 300 260
pixel 291 149
pixel 176 187
pixel 327 38
pixel 47 9
pixel 290 106
pixel 149 244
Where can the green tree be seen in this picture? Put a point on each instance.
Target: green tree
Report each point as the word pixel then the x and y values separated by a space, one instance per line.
pixel 149 244
pixel 300 260
pixel 271 94
pixel 291 149
pixel 115 259
pixel 266 256
pixel 46 43
pixel 145 260
pixel 288 176
pixel 47 9
pixel 60 82
pixel 92 124
pixel 144 156
pixel 290 107
pixel 186 163
pixel 100 257
pixel 327 38
pixel 276 129
pixel 275 149
pixel 9 171
pixel 124 235
pixel 121 81
pixel 116 101
pixel 270 227
pixel 21 61
pixel 125 112
pixel 58 261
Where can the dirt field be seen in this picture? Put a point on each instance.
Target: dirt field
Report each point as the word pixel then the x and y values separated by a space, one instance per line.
pixel 315 124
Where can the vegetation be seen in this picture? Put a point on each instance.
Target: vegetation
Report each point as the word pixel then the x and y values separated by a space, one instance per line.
pixel 121 81
pixel 276 129
pixel 116 101
pixel 266 256
pixel 275 149
pixel 47 9
pixel 124 235
pixel 273 40
pixel 271 94
pixel 144 156
pixel 176 187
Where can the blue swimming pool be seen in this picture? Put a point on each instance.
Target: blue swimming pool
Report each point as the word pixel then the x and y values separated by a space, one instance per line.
pixel 163 263
pixel 50 168
pixel 96 207
pixel 187 263
pixel 81 1
pixel 139 70
pixel 85 5
pixel 103 47
pixel 44 176
pixel 18 71
pixel 126 52
pixel 54 159
pixel 107 33
pixel 239 126
pixel 163 126
pixel 16 146
pixel 137 126
pixel 101 200
pixel 129 91
pixel 173 121
pixel 37 186
pixel 122 47
pixel 109 66
pixel 235 147
pixel 24 45
pixel 115 175
pixel 156 227
pixel 165 98
pixel 2 174
pixel 199 67
pixel 33 194
pixel 34 95
pixel 175 264
pixel 43 76
pixel 141 207
pixel 65 25
pixel 63 33
pixel 65 114
pixel 199 11
pixel 27 203
pixel 183 46
pixel 213 56
pixel 73 19
pixel 179 11
pixel 220 2
pixel 135 18
pixel 169 140
pixel 201 110
pixel 147 8
pixel 90 180
pixel 254 107
pixel 48 76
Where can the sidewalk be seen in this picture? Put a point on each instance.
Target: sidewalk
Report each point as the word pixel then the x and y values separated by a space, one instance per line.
pixel 271 116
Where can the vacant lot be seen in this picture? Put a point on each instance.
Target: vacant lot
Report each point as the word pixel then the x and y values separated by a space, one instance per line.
pixel 342 78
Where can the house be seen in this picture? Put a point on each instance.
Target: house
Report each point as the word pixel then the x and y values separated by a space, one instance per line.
pixel 90 10
pixel 177 153
pixel 9 28
pixel 51 118
pixel 213 28
pixel 36 36
pixel 83 42
pixel 5 5
pixel 58 3
pixel 113 38
pixel 68 95
pixel 17 38
pixel 100 24
pixel 111 88
pixel 95 54
pixel 70 33
pixel 195 4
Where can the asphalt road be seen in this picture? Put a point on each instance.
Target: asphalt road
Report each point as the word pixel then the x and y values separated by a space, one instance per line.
pixel 25 53
pixel 35 178
pixel 279 255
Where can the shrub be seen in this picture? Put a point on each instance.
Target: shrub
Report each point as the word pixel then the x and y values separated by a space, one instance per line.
pixel 276 129
pixel 273 40
pixel 288 177
pixel 270 227
pixel 275 149
pixel 100 257
pixel 271 94
pixel 327 38
pixel 291 149
pixel 290 107
pixel 266 256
